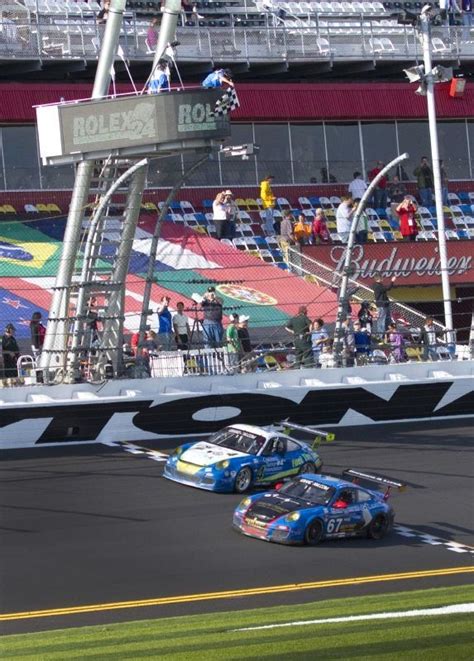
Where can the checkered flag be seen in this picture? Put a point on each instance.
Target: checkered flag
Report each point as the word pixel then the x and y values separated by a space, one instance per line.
pixel 228 102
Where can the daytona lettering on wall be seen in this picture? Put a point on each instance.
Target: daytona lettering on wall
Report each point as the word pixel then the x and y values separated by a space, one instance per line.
pixel 413 264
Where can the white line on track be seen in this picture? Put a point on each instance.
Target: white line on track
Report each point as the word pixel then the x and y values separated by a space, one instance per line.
pixel 422 612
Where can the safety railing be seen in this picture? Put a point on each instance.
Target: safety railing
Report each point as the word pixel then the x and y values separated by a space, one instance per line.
pixel 63 38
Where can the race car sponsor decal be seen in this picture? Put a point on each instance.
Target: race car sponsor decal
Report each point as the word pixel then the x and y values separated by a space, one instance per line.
pixel 206 454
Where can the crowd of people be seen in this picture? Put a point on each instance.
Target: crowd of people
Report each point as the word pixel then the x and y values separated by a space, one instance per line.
pixel 298 229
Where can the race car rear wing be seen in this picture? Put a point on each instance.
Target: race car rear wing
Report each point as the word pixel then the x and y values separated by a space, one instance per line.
pixel 379 481
pixel 318 435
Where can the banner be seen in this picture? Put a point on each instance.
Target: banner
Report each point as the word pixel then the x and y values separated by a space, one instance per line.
pixel 412 263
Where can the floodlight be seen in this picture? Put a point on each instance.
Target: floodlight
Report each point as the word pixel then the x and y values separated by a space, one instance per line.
pixel 415 74
pixel 442 74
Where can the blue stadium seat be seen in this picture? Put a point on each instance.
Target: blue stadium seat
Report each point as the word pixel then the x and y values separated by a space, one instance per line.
pixel 464 197
pixel 207 204
pixel 315 203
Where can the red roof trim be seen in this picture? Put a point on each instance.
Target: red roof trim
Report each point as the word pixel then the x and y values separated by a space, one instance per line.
pixel 306 102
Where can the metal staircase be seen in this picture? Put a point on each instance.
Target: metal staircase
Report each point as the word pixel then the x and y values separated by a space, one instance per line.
pixel 101 265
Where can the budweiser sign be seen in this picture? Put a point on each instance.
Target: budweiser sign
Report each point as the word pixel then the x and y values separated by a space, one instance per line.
pixel 412 263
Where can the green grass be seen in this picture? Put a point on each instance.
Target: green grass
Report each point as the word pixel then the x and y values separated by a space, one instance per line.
pixel 212 636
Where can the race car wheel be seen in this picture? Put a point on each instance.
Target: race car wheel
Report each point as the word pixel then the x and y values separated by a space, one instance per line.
pixel 378 527
pixel 308 467
pixel 313 533
pixel 243 480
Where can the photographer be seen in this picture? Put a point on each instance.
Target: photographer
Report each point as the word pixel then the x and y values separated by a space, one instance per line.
pixel 406 211
pixel 212 327
pixel 232 215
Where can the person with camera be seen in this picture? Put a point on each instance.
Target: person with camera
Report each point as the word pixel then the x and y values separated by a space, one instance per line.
pixel 406 212
pixel 219 215
pixel 232 215
pixel 212 327
pixel 344 214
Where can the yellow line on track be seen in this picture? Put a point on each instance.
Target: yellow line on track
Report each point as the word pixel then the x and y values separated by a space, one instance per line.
pixel 230 594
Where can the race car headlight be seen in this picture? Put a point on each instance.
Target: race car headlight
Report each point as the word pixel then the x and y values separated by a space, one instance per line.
pixel 244 503
pixel 221 465
pixel 294 516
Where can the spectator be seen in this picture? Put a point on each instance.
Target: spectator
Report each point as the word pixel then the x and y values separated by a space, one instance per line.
pixel 244 335
pixel 326 358
pixel 379 199
pixel 361 343
pixel 286 228
pixel 219 215
pixel 348 343
pixel 10 352
pixel 467 19
pixel 181 328
pixel 160 78
pixel 150 344
pixel 397 343
pixel 212 328
pixel 362 231
pixel 357 187
pixel 245 344
pixel 406 212
pixel 218 78
pixel 165 326
pixel 38 332
pixel 424 180
pixel 383 303
pixel 234 347
pixel 344 215
pixel 103 14
pixel 320 228
pixel 268 201
pixel 444 184
pixel 300 327
pixel 302 231
pixel 365 316
pixel 397 191
pixel 319 337
pixel 232 215
pixel 327 177
pixel 152 34
pixel 134 340
pixel 429 340
pixel 91 335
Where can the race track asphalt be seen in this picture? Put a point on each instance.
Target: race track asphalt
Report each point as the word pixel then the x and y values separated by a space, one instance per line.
pixel 94 524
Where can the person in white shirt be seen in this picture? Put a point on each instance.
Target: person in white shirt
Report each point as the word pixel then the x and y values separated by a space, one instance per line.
pixel 219 214
pixel 181 328
pixel 357 187
pixel 344 218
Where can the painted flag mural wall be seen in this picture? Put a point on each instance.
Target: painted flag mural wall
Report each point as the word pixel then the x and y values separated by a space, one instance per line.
pixel 187 262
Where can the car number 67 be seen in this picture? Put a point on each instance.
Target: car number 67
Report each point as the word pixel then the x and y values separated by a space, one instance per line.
pixel 333 525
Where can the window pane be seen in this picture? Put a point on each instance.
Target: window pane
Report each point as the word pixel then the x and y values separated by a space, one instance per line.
pixel 207 174
pixel 164 171
pixel 235 171
pixel 453 149
pixel 470 130
pixel 380 143
pixel 21 157
pixel 274 155
pixel 414 138
pixel 308 153
pixel 343 150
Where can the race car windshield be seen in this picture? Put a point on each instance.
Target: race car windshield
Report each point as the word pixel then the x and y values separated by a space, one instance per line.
pixel 312 492
pixel 236 439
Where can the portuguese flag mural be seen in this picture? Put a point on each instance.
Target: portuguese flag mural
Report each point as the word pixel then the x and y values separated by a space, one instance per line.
pixel 187 263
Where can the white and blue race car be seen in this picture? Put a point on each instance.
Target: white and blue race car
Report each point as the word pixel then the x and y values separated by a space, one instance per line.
pixel 240 456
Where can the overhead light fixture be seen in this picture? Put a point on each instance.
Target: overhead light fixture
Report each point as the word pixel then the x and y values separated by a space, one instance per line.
pixel 442 74
pixel 415 74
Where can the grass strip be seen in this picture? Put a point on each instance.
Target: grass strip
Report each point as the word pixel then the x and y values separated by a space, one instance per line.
pixel 213 636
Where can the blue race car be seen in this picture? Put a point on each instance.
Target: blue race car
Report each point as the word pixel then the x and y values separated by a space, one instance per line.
pixel 240 456
pixel 311 508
